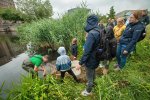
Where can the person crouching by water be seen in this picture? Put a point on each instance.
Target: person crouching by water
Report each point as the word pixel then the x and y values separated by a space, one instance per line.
pixel 35 64
pixel 63 64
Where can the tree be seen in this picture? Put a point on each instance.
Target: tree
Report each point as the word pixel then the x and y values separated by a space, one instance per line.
pixel 10 14
pixel 35 9
pixel 112 13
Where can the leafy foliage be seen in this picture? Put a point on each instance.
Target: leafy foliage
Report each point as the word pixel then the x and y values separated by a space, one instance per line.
pixel 132 83
pixel 55 32
pixel 111 13
pixel 10 14
pixel 35 9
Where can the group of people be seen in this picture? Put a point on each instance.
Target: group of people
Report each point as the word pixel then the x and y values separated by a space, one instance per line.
pixel 125 37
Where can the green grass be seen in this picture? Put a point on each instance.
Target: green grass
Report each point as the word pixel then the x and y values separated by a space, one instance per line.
pixel 132 83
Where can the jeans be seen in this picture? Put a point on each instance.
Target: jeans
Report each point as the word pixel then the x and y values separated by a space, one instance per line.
pixel 90 74
pixel 121 58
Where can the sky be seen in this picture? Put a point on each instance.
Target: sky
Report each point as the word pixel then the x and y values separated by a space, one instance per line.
pixel 102 6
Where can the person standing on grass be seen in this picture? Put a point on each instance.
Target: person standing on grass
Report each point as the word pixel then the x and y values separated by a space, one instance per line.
pixel 34 63
pixel 88 58
pixel 114 22
pixel 63 64
pixel 101 25
pixel 119 29
pixel 74 49
pixel 145 18
pixel 128 40
pixel 110 45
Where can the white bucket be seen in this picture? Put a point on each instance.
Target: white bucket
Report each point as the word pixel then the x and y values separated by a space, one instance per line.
pixel 74 64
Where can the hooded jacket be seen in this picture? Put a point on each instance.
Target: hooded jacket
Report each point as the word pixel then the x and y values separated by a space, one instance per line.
pixel 63 62
pixel 91 43
pixel 131 35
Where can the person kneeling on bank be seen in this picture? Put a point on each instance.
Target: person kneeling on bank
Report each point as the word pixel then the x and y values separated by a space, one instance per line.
pixel 35 64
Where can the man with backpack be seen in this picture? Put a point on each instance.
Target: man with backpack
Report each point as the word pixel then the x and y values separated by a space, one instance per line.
pixel 88 58
pixel 34 63
pixel 108 45
pixel 133 33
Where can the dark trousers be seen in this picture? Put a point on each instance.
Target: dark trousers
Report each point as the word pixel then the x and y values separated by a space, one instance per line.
pixel 70 72
pixel 29 67
pixel 90 74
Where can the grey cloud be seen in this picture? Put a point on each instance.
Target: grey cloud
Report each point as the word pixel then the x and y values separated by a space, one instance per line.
pixel 103 6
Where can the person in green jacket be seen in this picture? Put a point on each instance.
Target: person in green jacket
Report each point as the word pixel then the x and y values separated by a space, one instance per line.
pixel 35 64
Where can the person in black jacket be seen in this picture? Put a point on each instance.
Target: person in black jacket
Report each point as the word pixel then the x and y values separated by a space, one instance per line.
pixel 74 49
pixel 109 34
pixel 129 39
pixel 145 18
pixel 88 58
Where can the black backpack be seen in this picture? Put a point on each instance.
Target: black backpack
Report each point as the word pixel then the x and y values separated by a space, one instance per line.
pixel 143 35
pixel 106 49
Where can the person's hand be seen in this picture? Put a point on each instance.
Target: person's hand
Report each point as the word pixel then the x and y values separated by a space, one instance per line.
pixel 44 73
pixel 78 67
pixel 74 58
pixel 125 52
pixel 36 69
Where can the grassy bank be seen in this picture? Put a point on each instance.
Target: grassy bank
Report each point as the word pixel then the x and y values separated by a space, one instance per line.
pixel 132 83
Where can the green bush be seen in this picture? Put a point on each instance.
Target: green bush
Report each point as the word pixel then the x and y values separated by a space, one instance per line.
pixel 132 83
pixel 10 14
pixel 55 32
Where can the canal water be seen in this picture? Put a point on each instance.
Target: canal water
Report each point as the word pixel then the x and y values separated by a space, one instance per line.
pixel 12 72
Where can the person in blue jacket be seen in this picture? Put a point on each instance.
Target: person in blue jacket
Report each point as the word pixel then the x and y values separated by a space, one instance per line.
pixel 88 58
pixel 63 64
pixel 129 39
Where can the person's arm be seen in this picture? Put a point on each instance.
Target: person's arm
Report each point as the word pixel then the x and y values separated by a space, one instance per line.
pixel 72 49
pixel 76 51
pixel 147 20
pixel 136 35
pixel 58 65
pixel 44 70
pixel 69 61
pixel 36 68
pixel 87 49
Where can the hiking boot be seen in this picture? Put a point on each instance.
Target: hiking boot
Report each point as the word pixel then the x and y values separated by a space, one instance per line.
pixel 85 93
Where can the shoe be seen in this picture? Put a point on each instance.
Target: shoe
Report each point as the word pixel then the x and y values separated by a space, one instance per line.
pixel 117 69
pixel 116 65
pixel 85 93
